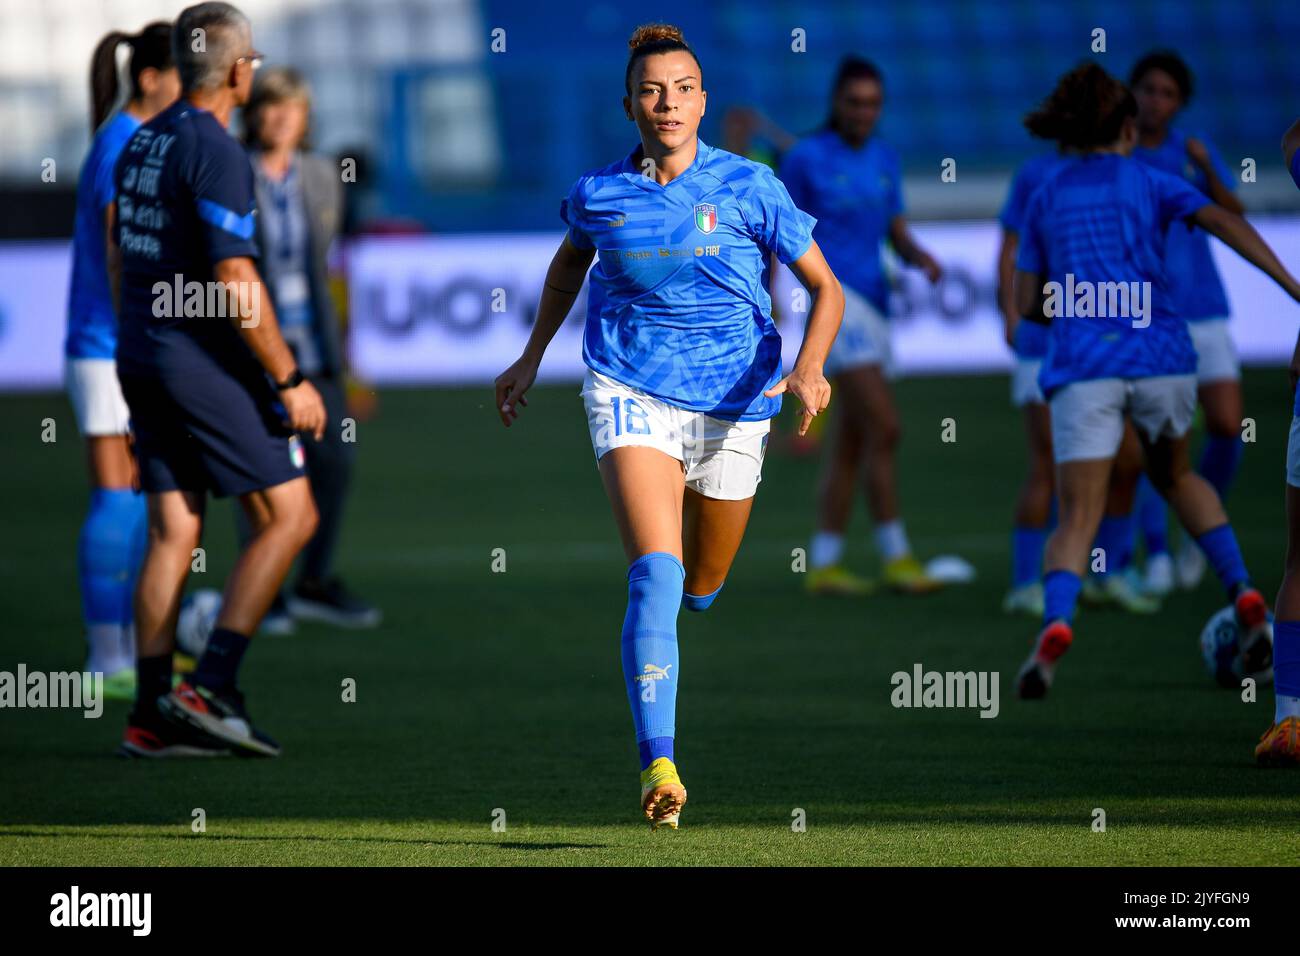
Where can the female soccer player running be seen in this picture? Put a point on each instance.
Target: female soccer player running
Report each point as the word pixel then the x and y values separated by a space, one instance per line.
pixel 1094 232
pixel 1028 340
pixel 1280 744
pixel 851 181
pixel 112 538
pixel 684 363
pixel 1162 85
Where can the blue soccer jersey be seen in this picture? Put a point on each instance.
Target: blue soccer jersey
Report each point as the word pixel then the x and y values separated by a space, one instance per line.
pixel 1198 290
pixel 678 304
pixel 854 195
pixel 92 324
pixel 1031 337
pixel 1097 227
pixel 185 201
pixel 1295 168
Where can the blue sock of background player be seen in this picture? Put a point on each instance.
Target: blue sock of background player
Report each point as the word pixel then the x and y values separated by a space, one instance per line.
pixel 108 559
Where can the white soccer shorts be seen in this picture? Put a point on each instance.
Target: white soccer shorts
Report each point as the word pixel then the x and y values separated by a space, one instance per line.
pixel 96 397
pixel 863 338
pixel 721 459
pixel 1088 416
pixel 1216 354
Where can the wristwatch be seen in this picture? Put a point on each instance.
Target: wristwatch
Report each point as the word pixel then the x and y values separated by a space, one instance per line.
pixel 293 381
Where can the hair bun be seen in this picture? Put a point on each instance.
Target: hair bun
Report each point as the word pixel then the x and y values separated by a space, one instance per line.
pixel 652 32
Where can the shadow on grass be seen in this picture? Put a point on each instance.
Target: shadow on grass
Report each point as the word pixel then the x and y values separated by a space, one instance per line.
pixel 295 838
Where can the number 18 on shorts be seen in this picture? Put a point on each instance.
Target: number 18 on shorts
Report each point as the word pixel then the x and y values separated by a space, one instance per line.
pixel 721 459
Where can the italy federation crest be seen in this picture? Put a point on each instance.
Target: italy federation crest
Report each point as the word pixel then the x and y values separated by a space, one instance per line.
pixel 706 217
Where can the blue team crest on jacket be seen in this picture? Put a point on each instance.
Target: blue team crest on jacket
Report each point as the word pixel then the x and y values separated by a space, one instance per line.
pixel 706 217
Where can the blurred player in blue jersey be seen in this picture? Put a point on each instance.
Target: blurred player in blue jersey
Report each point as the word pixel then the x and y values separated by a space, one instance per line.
pixel 1280 744
pixel 684 364
pixel 1092 261
pixel 112 538
pixel 851 181
pixel 1113 582
pixel 213 389
pixel 1162 85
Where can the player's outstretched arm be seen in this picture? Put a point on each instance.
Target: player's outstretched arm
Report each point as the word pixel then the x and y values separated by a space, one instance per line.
pixel 250 310
pixel 806 381
pixel 910 251
pixel 1199 153
pixel 1241 236
pixel 563 283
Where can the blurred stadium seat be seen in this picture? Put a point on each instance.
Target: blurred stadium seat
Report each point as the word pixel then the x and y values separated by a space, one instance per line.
pixel 465 139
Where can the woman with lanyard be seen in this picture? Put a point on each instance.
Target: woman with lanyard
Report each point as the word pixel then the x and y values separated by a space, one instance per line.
pixel 299 201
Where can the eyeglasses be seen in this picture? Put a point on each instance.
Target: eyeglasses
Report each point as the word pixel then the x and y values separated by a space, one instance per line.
pixel 254 59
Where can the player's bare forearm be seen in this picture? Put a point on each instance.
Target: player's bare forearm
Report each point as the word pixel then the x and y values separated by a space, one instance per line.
pixel 816 276
pixel 900 237
pixel 1224 196
pixel 1242 237
pixel 253 316
pixel 1029 297
pixel 910 251
pixel 564 280
pixel 1006 281
pixel 823 324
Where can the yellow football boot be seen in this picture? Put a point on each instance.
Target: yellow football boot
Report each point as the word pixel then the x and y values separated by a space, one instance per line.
pixel 1280 745
pixel 662 793
pixel 906 574
pixel 836 579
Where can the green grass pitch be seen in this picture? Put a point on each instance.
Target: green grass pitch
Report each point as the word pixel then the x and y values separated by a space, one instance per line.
pixel 500 693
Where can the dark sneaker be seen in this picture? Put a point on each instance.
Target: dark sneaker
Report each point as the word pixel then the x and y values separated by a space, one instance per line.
pixel 277 622
pixel 219 714
pixel 330 602
pixel 157 738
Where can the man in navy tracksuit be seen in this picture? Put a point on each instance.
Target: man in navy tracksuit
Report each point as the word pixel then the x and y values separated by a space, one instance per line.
pixel 214 392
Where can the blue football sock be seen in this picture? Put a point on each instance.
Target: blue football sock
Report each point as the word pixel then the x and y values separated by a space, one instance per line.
pixel 1286 658
pixel 1153 516
pixel 1027 554
pixel 1219 461
pixel 1060 595
pixel 107 561
pixel 654 748
pixel 219 665
pixel 700 602
pixel 650 662
pixel 1220 547
pixel 1115 537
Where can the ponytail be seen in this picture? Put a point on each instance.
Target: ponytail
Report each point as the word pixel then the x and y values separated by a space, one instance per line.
pixel 103 77
pixel 151 48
